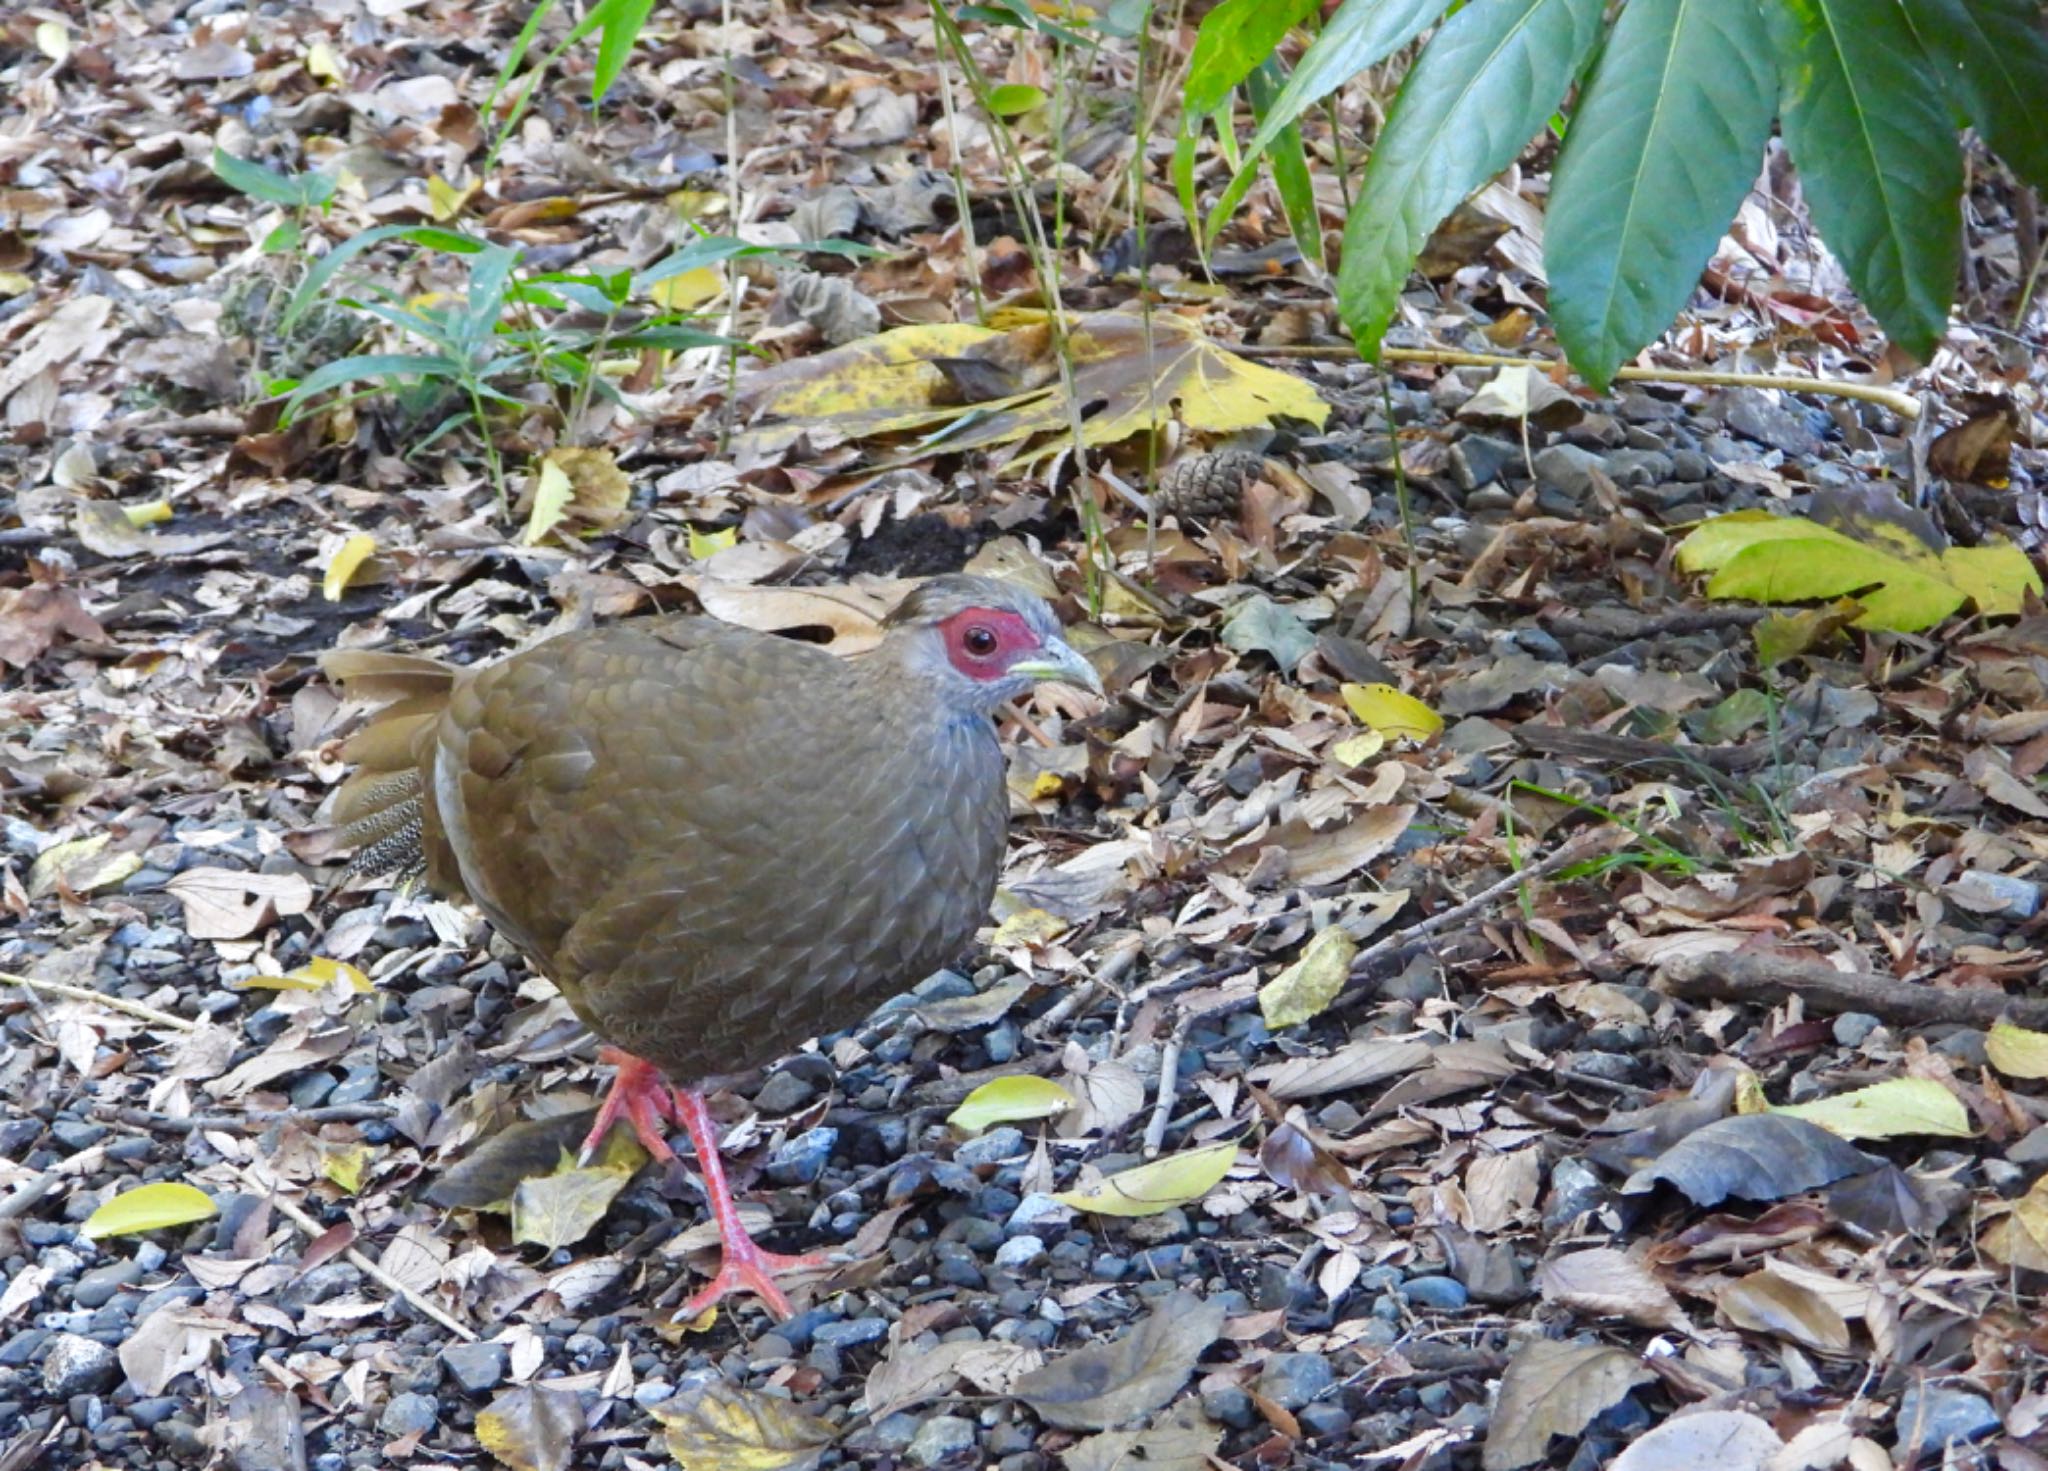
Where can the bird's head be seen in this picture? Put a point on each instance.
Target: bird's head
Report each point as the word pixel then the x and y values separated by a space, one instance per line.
pixel 982 641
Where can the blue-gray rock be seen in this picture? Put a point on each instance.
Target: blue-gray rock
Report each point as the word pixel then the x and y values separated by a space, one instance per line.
pixel 148 1412
pixel 892 1433
pixel 997 1144
pixel 801 1160
pixel 1853 1028
pixel 954 1265
pixel 1443 1294
pixel 1229 1405
pixel 75 1134
pixel 20 1350
pixel 1941 1416
pixel 1479 459
pixel 939 1437
pixel 1034 1211
pixel 1000 1042
pixel 360 1083
pixel 329 1279
pixel 851 1333
pixel 410 1413
pixel 314 1089
pixel 478 1368
pixel 1292 1380
pixel 1566 468
pixel 97 1288
pixel 1754 417
pixel 1575 1189
pixel 1109 1267
pixel 1326 1419
pixel 76 1365
pixel 1020 1252
pixel 785 1092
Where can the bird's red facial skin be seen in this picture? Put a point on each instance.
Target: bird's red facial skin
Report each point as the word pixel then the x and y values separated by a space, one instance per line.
pixel 984 642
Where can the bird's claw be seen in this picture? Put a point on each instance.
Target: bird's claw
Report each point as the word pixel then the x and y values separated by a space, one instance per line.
pixel 640 1097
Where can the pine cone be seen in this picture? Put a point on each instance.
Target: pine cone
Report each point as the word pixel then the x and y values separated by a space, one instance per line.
pixel 1208 485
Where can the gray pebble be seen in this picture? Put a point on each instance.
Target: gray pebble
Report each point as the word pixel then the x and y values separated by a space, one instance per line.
pixel 1230 1405
pixel 410 1413
pixel 1292 1380
pixel 76 1365
pixel 75 1134
pixel 1036 1210
pixel 97 1287
pixel 1326 1419
pixel 1567 468
pixel 1942 1416
pixel 1020 1252
pixel 997 1144
pixel 1444 1294
pixel 784 1093
pixel 801 1160
pixel 1575 1189
pixel 939 1437
pixel 329 1279
pixel 840 1336
pixel 477 1367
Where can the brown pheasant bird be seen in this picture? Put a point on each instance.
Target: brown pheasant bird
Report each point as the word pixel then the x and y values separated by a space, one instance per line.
pixel 716 842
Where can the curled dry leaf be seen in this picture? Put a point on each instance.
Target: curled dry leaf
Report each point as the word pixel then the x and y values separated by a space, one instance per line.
pixel 1183 1441
pixel 1765 1302
pixel 1553 1388
pixel 1726 1440
pixel 1611 1283
pixel 1106 1384
pixel 1763 1156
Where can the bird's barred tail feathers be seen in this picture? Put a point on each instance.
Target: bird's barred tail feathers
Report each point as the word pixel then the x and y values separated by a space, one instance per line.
pixel 380 809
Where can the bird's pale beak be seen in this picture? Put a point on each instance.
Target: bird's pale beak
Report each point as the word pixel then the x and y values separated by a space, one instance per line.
pixel 1058 661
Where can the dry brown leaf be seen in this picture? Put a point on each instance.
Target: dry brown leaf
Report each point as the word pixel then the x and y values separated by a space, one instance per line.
pixel 1609 1283
pixel 1553 1388
pixel 1107 1384
pixel 228 904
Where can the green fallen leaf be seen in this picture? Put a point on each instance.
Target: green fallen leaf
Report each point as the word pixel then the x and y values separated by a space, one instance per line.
pixel 1148 1189
pixel 1309 985
pixel 1887 1110
pixel 149 1208
pixel 1903 585
pixel 1005 1100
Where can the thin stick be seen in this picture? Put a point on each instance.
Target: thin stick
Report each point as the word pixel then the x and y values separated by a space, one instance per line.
pixel 1169 1084
pixel 100 998
pixel 1902 404
pixel 356 1259
pixel 236 1123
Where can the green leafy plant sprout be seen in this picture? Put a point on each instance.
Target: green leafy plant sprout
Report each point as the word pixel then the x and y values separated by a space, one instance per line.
pixel 619 23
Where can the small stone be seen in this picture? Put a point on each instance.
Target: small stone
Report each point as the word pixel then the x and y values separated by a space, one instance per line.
pixel 1325 1419
pixel 1567 468
pixel 975 1233
pixel 360 1083
pixel 954 1265
pixel 76 1365
pixel 74 1135
pixel 1444 1294
pixel 1754 417
pixel 997 1144
pixel 1479 459
pixel 1292 1380
pixel 329 1279
pixel 1575 1189
pixel 939 1437
pixel 801 1160
pixel 1853 1028
pixel 410 1413
pixel 1036 1210
pixel 1000 1042
pixel 151 1412
pixel 845 1335
pixel 1230 1405
pixel 893 1433
pixel 1020 1252
pixel 477 1367
pixel 784 1093
pixel 1941 1416
pixel 97 1288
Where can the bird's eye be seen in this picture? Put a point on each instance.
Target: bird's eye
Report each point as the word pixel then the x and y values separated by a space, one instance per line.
pixel 979 641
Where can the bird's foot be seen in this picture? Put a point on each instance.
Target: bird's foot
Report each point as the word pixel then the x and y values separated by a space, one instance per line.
pixel 640 1096
pixel 745 1267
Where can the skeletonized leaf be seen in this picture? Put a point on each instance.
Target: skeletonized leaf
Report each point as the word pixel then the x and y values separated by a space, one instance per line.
pixel 532 1428
pixel 1886 1110
pixel 1305 988
pixel 1005 1100
pixel 149 1207
pixel 904 1378
pixel 1105 1384
pixel 723 1428
pixel 1148 1189
pixel 1553 1388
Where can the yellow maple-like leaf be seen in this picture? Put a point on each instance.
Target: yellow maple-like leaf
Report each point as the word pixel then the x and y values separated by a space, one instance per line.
pixel 725 1428
pixel 2016 1051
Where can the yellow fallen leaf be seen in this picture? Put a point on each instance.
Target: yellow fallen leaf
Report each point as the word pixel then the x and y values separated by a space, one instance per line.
pixel 2016 1051
pixel 552 493
pixel 1029 928
pixel 1886 1110
pixel 445 200
pixel 345 563
pixel 147 513
pixel 2019 1238
pixel 1362 747
pixel 316 974
pixel 725 1428
pixel 53 40
pixel 1004 1100
pixel 1309 985
pixel 14 283
pixel 688 288
pixel 1148 1189
pixel 1382 708
pixel 706 545
pixel 322 64
pixel 344 1165
pixel 150 1208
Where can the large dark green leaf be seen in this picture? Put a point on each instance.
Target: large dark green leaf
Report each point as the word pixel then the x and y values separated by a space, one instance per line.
pixel 1658 157
pixel 1994 55
pixel 1483 85
pixel 1869 127
pixel 1362 33
pixel 1235 37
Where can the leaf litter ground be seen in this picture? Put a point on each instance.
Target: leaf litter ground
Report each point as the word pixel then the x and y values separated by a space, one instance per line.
pixel 1357 1148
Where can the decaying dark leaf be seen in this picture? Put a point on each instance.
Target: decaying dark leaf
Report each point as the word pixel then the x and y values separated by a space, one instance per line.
pixel 1182 1441
pixel 493 1171
pixel 532 1428
pixel 1758 1156
pixel 1106 1384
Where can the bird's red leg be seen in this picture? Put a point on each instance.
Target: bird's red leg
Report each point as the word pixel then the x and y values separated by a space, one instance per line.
pixel 743 1265
pixel 642 1097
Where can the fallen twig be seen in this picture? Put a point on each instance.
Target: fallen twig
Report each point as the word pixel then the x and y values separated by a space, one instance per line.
pixel 1766 978
pixel 1169 1084
pixel 369 1269
pixel 235 1123
pixel 100 998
